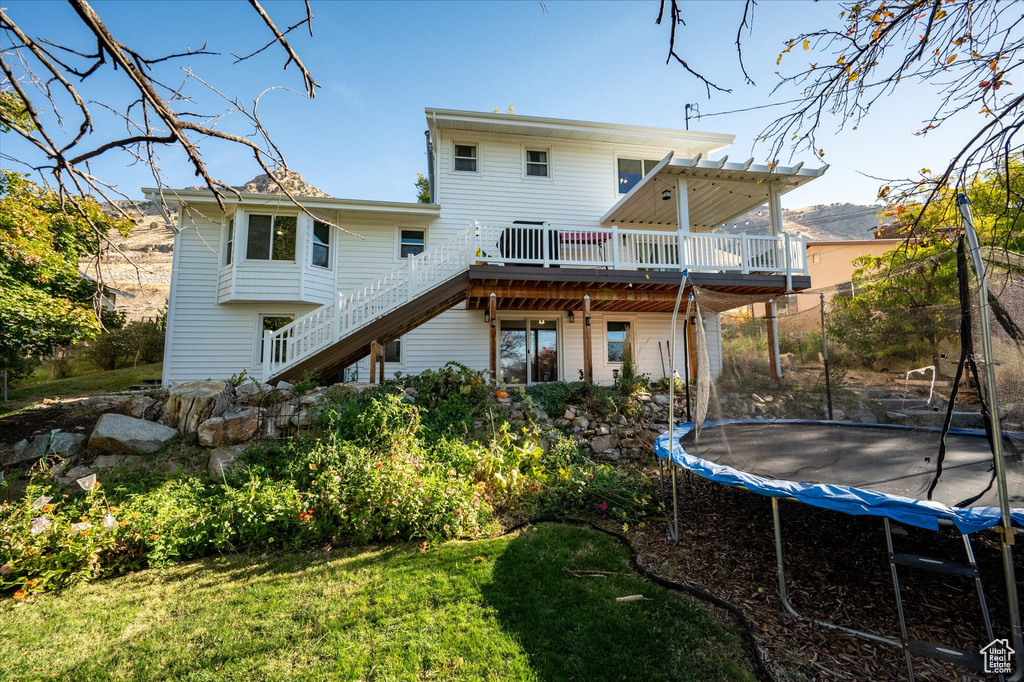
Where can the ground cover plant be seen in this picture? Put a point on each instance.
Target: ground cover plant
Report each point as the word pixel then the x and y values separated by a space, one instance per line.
pixel 501 608
pixel 406 462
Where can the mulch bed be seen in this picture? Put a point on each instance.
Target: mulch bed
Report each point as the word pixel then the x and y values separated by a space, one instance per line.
pixel 29 423
pixel 837 569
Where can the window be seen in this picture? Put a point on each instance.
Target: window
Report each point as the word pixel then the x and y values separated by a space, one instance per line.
pixel 271 323
pixel 321 244
pixel 411 243
pixel 271 237
pixel 393 351
pixel 816 257
pixel 465 157
pixel 618 338
pixel 536 163
pixel 632 171
pixel 231 242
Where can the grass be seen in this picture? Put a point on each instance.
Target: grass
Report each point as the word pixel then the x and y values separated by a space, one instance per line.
pixel 95 382
pixel 490 609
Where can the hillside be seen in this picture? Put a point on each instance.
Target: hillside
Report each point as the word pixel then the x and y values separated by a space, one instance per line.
pixel 819 223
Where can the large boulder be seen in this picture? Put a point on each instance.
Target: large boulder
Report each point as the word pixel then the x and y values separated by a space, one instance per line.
pixel 604 443
pixel 192 403
pixel 235 426
pixel 64 444
pixel 121 433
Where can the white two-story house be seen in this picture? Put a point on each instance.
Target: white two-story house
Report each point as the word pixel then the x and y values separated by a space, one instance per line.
pixel 547 247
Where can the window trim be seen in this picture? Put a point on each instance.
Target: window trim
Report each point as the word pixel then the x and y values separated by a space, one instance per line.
pixel 631 321
pixel 526 156
pixel 273 217
pixel 560 319
pixel 466 143
pixel 628 156
pixel 229 240
pixel 313 244
pixel 257 347
pixel 398 240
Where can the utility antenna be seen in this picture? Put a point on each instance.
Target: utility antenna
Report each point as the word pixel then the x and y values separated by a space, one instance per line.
pixel 694 108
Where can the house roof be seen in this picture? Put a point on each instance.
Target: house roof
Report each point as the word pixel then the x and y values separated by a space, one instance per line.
pixel 719 191
pixel 851 242
pixel 117 292
pixel 350 206
pixel 568 129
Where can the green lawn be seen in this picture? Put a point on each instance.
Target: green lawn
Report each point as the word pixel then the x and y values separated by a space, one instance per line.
pixel 94 382
pixel 490 609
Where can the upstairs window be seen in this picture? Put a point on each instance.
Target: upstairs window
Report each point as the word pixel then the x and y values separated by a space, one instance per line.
pixel 231 242
pixel 618 338
pixel 271 237
pixel 321 244
pixel 411 243
pixel 632 171
pixel 536 163
pixel 465 157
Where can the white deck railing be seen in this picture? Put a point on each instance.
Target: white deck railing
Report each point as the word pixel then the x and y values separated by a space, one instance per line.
pixel 518 244
pixel 619 249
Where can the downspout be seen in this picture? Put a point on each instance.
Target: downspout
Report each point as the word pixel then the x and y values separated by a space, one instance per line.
pixel 430 165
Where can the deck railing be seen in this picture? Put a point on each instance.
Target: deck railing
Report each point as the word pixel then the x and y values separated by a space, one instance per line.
pixel 523 244
pixel 623 249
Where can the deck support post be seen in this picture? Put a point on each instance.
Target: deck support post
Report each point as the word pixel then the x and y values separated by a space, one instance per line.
pixel 774 359
pixel 492 308
pixel 588 345
pixel 373 361
pixel 380 359
pixel 682 222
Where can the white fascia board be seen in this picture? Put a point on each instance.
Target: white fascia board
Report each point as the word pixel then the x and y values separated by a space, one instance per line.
pixel 195 196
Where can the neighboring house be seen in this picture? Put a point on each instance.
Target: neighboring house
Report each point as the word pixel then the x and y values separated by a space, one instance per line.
pixel 108 297
pixel 528 217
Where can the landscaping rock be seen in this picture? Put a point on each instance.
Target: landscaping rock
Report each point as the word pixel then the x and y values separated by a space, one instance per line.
pixel 140 407
pixel 223 459
pixel 612 455
pixel 285 386
pixel 120 433
pixel 65 444
pixel 107 462
pixel 192 403
pixel 604 443
pixel 72 476
pixel 235 426
pixel 661 399
pixel 864 417
pixel 250 392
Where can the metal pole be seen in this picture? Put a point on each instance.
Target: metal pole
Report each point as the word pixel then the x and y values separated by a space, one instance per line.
pixel 1006 534
pixel 686 356
pixel 674 528
pixel 824 355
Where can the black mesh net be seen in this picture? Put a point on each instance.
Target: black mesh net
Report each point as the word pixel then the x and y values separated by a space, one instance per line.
pixel 893 398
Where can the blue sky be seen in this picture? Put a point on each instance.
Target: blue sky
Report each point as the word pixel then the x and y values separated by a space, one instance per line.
pixel 380 64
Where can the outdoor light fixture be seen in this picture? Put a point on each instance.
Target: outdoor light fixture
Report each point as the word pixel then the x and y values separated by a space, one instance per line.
pixel 615 374
pixel 572 317
pixel 666 194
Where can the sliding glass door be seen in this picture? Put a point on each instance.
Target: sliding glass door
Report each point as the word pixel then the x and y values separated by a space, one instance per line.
pixel 528 351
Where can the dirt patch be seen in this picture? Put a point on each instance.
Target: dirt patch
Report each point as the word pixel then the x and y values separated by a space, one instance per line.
pixel 837 569
pixel 29 423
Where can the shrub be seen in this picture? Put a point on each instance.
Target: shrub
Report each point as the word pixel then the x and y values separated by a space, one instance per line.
pixel 554 396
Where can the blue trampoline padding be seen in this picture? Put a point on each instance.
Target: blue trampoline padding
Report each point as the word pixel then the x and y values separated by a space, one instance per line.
pixel 846 499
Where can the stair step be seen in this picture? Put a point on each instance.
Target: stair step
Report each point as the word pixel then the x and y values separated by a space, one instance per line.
pixel 971 660
pixel 934 564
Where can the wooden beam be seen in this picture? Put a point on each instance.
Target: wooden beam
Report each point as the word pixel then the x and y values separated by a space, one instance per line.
pixel 588 346
pixel 556 292
pixel 380 351
pixel 373 361
pixel 493 310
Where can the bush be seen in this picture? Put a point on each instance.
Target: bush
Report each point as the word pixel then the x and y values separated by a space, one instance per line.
pixel 135 342
pixel 554 396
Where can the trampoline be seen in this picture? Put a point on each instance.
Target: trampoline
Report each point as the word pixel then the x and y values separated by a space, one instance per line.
pixel 860 469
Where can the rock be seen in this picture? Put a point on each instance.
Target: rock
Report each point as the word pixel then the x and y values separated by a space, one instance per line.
pixel 64 444
pixel 604 443
pixel 612 455
pixel 661 399
pixel 581 422
pixel 602 430
pixel 115 461
pixel 251 392
pixel 285 386
pixel 621 420
pixel 283 420
pixel 643 397
pixel 138 406
pixel 864 417
pixel 235 426
pixel 120 433
pixel 192 403
pixel 562 423
pixel 224 459
pixel 72 476
pixel 569 414
pixel 838 415
pixel 872 392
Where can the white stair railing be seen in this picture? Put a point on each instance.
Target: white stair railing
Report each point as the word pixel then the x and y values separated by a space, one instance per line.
pixel 332 322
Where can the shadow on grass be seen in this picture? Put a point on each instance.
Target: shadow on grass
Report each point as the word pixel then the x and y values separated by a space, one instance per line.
pixel 574 628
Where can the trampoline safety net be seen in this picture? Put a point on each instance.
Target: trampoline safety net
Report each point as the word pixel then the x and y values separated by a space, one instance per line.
pixel 870 397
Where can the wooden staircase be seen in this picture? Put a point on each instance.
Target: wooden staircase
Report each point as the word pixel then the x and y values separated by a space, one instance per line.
pixel 337 334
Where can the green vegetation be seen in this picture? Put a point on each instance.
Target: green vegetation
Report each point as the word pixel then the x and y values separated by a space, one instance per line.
pixel 375 467
pixel 500 608
pixel 45 304
pixel 93 382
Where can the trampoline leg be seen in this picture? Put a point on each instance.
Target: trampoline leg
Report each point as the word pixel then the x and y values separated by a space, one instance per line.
pixel 899 600
pixel 675 506
pixel 785 600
